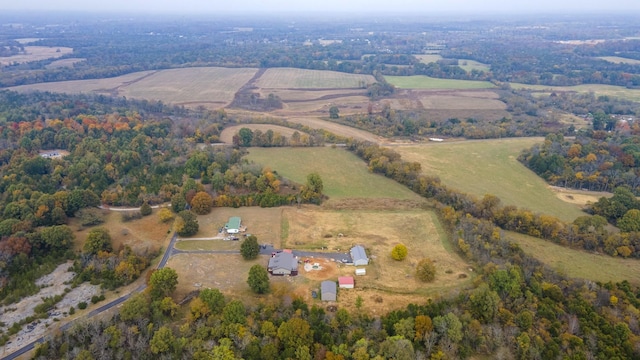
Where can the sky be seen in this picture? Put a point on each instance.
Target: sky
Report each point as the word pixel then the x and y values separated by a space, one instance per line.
pixel 263 6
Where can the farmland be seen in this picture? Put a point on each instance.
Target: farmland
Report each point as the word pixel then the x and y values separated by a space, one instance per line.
pixel 470 65
pixel 286 78
pixel 619 60
pixel 579 263
pixel 426 82
pixel 36 53
pixel 598 89
pixel 491 167
pixel 343 174
pixel 227 134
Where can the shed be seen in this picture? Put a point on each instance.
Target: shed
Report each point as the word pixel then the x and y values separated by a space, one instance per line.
pixel 328 291
pixel 359 256
pixel 361 272
pixel 346 282
pixel 233 225
pixel 283 263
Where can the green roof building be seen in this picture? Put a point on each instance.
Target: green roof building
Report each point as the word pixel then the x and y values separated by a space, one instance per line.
pixel 233 225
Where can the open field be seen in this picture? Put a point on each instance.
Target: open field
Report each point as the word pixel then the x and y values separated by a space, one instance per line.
pixel 279 78
pixel 426 82
pixel 579 197
pixel 347 104
pixel 599 90
pixel 145 233
pixel 102 86
pixel 491 167
pixel 36 53
pixel 191 85
pixel 379 232
pixel 619 60
pixel 343 174
pixel 68 62
pixel 227 134
pixel 456 101
pixel 470 65
pixel 427 59
pixel 579 263
pixel 263 223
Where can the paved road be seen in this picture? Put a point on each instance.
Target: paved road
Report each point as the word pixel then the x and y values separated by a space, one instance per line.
pixel 167 254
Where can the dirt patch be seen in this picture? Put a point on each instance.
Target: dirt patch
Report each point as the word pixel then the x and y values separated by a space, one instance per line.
pixel 578 197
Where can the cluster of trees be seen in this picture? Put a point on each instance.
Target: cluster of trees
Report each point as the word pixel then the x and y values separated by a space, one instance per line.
pixel 247 137
pixel 594 160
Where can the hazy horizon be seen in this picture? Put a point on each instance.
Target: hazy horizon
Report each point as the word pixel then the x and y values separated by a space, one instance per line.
pixel 330 6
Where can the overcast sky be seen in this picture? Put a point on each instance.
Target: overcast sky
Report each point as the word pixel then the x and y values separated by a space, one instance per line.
pixel 259 6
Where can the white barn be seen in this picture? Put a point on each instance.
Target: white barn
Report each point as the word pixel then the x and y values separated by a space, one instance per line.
pixel 359 256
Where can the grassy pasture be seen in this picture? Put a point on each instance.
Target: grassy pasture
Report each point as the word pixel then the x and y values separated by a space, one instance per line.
pixel 430 58
pixel 426 82
pixel 190 85
pixel 491 167
pixel 36 53
pixel 597 89
pixel 145 233
pixel 64 63
pixel 454 101
pixel 579 263
pixel 470 65
pixel 343 174
pixel 279 78
pixel 619 60
pixel 338 129
pixel 227 134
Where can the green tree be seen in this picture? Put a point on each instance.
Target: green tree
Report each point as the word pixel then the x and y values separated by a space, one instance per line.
pixel 136 308
pixel 163 282
pixel 426 270
pixel 162 340
pixel 397 347
pixel 484 303
pixel 246 136
pixel 630 221
pixel 295 333
pixel 334 112
pixel 98 239
pixel 145 209
pixel 213 298
pixel 58 237
pixel 234 313
pixel 258 279
pixel 250 248
pixel 399 252
pixel 178 203
pixel 448 325
pixel 312 190
pixel 189 225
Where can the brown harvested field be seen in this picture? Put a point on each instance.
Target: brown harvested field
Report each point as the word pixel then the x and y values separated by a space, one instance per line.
pixel 36 53
pixel 191 86
pixel 146 233
pixel 287 78
pixel 379 231
pixel 291 95
pixel 227 134
pixel 461 103
pixel 64 63
pixel 445 114
pixel 346 104
pixel 105 86
pixel 265 223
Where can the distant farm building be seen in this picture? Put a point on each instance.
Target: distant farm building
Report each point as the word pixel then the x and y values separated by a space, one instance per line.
pixel 346 282
pixel 361 272
pixel 328 291
pixel 283 263
pixel 359 256
pixel 233 225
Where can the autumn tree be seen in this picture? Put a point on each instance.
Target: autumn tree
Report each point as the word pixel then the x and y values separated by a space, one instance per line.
pixel 312 190
pixel 426 270
pixel 630 221
pixel 98 240
pixel 58 237
pixel 178 203
pixel 188 224
pixel 250 248
pixel 165 215
pixel 258 279
pixel 163 282
pixel 201 203
pixel 145 209
pixel 399 252
pixel 213 298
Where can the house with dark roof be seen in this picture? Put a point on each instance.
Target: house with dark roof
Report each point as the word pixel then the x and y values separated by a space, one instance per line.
pixel 328 291
pixel 283 263
pixel 359 256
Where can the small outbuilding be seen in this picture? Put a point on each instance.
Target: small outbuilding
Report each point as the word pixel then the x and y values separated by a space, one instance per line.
pixel 359 256
pixel 283 263
pixel 361 271
pixel 346 282
pixel 328 291
pixel 233 225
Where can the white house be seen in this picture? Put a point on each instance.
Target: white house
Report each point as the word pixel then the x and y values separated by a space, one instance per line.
pixel 361 271
pixel 359 256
